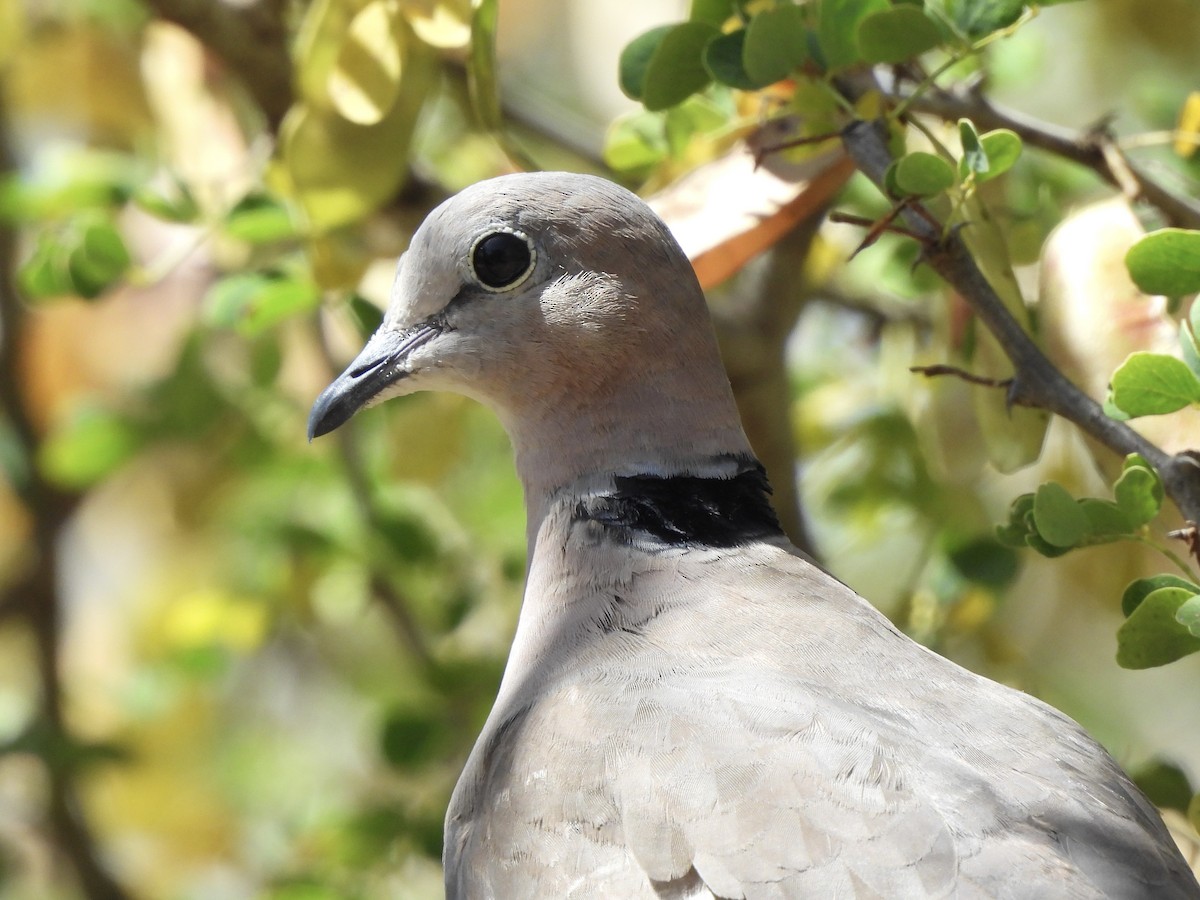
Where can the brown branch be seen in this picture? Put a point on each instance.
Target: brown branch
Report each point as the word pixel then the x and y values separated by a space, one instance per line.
pixel 940 369
pixel 1093 148
pixel 35 595
pixel 251 37
pixel 1037 382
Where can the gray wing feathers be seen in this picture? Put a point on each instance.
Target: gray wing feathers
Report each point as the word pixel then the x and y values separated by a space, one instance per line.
pixel 766 765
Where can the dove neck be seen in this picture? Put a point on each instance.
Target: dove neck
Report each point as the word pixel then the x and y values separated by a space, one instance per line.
pixel 576 444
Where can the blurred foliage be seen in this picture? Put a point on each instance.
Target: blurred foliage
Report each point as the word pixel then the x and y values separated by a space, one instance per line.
pixel 257 666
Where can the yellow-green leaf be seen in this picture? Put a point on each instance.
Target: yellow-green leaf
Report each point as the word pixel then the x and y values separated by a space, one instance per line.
pixel 365 79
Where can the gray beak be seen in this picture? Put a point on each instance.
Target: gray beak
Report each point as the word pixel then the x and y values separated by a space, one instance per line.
pixel 380 364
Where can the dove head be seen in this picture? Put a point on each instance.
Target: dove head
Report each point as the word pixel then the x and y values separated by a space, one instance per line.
pixel 562 302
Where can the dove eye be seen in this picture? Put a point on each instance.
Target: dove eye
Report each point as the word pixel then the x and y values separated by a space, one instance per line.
pixel 502 259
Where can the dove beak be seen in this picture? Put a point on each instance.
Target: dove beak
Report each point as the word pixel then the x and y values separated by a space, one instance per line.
pixel 381 363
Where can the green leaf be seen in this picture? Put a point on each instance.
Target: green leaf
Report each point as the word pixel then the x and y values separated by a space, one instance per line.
pixel 1152 636
pixel 635 141
pixel 1139 494
pixel 1106 520
pixel 1188 615
pixel 367 316
pixel 723 59
pixel 837 31
pixel 1013 533
pixel 259 219
pixel 1113 411
pixel 1059 519
pixel 481 64
pixel 1166 262
pixel 254 302
pixel 45 273
pixel 176 205
pixel 98 259
pixel 86 448
pixel 985 561
pixel 974 158
pixel 676 69
pixel 1002 148
pixel 714 12
pixel 365 80
pixel 1187 342
pixel 635 60
pixel 978 18
pixel 922 174
pixel 1165 785
pixel 894 35
pixel 776 43
pixel 1139 590
pixel 412 736
pixel 1151 384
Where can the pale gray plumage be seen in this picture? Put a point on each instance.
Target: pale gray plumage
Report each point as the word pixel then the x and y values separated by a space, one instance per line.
pixel 682 720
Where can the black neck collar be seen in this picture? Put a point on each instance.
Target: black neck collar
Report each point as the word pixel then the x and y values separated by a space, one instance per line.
pixel 688 510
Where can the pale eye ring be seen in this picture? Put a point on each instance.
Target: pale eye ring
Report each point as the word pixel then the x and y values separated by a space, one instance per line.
pixel 502 259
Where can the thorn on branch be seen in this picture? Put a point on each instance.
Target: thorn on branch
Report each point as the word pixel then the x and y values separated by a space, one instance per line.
pixel 1190 535
pixel 761 153
pixel 876 227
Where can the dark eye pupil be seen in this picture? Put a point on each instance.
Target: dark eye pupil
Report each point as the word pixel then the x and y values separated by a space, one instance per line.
pixel 500 259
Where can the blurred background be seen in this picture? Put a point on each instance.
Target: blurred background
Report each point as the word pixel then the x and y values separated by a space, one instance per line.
pixel 237 665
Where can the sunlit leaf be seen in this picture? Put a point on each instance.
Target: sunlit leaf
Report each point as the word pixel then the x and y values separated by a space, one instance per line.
pixel 259 219
pixel 445 24
pixel 365 79
pixel 1139 494
pixel 1166 262
pixel 1187 141
pixel 481 64
pixel 974 158
pixel 1151 384
pixel 1002 149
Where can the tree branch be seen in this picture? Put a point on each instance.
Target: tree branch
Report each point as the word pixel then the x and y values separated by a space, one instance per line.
pixel 1094 148
pixel 1037 381
pixel 251 37
pixel 35 595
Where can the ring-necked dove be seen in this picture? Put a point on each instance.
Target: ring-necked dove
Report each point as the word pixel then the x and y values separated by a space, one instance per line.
pixel 691 708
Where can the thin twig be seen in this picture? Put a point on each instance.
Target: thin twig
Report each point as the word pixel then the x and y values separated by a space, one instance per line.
pixel 1037 382
pixel 1094 148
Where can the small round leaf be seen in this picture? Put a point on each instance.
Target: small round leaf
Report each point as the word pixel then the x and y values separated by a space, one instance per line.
pixel 1058 517
pixel 1166 262
pixel 1151 384
pixel 923 174
pixel 894 35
